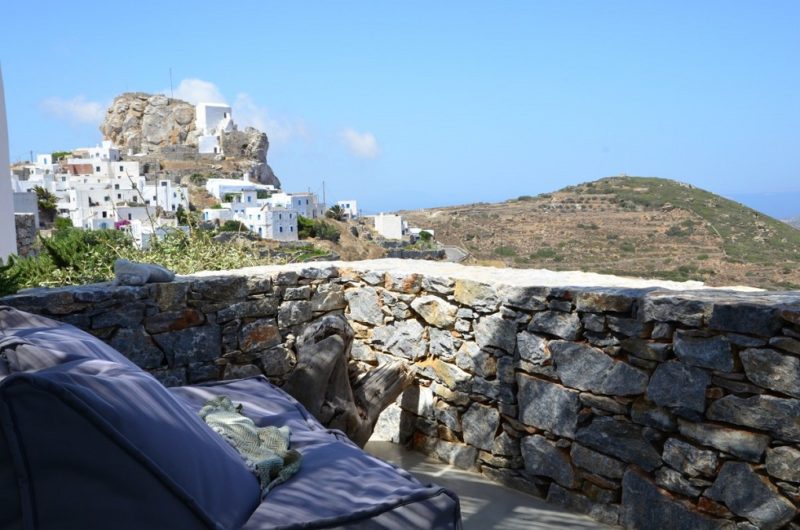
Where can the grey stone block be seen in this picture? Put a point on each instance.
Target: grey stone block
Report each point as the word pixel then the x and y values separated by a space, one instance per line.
pixel 749 495
pixel 586 368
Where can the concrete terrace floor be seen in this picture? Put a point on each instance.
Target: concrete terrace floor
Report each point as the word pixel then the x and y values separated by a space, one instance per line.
pixel 485 505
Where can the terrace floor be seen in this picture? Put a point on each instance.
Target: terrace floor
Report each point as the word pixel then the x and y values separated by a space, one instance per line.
pixel 484 504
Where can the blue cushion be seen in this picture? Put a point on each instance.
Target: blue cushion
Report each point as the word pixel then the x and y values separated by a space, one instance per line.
pixel 104 445
pixel 48 342
pixel 338 485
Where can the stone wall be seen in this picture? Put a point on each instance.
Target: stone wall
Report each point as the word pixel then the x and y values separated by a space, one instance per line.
pixel 26 234
pixel 642 407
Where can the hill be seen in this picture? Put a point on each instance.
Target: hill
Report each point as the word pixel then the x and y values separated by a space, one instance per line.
pixel 794 221
pixel 631 226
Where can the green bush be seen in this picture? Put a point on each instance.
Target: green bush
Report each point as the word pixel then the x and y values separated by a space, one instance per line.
pixel 307 228
pixel 63 223
pixel 425 236
pixel 627 246
pixel 233 226
pixel 58 155
pixel 197 179
pixel 505 251
pixel 544 253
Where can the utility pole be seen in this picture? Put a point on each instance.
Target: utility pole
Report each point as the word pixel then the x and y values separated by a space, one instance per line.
pixel 31 156
pixel 324 201
pixel 171 93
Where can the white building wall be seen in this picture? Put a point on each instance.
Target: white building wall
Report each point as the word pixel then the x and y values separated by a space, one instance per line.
pixel 350 208
pixel 389 226
pixel 27 203
pixel 8 231
pixel 209 117
pixel 208 144
pixel 217 214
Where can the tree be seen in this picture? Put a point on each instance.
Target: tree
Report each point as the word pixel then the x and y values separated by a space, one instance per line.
pixel 336 213
pixel 181 215
pixel 58 155
pixel 46 203
pixel 425 236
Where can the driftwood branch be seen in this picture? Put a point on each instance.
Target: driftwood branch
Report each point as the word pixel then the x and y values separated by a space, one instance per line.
pixel 321 380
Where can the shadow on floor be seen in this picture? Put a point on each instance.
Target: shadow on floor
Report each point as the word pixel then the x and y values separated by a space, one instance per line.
pixel 484 504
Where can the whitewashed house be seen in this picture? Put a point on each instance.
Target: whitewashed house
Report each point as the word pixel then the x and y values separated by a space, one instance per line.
pixel 212 119
pixel 390 226
pixel 270 222
pixel 349 207
pixel 219 188
pixel 167 195
pixel 305 203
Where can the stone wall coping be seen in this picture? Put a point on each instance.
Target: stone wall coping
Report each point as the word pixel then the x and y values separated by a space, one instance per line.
pixel 489 275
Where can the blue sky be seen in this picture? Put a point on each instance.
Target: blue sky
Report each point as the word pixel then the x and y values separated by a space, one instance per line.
pixel 417 103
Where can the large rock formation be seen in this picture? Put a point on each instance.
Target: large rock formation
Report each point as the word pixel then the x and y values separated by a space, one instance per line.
pixel 155 125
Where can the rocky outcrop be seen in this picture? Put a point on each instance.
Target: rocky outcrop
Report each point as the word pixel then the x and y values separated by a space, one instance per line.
pixel 146 122
pixel 155 124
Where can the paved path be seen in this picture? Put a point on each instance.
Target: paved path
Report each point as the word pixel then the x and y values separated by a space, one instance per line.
pixel 485 505
pixel 455 254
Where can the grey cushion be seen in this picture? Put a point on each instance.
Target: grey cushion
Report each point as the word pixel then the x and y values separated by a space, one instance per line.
pixel 338 485
pixel 103 445
pixel 48 342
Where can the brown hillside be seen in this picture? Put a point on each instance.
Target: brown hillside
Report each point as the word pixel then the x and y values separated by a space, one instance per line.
pixel 629 226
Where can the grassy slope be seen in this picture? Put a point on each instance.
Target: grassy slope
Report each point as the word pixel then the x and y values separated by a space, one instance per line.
pixel 627 225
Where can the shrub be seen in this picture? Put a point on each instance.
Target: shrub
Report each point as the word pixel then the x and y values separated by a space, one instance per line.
pixel 233 226
pixel 505 251
pixel 197 179
pixel 63 223
pixel 335 212
pixel 425 236
pixel 544 252
pixel 58 155
pixel 627 246
pixel 320 229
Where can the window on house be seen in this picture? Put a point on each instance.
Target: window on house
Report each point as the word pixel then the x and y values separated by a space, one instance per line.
pixel 97 169
pixel 306 201
pixel 106 198
pixel 280 229
pixel 130 217
pixel 119 196
pixel 122 168
pixel 116 186
pixel 135 199
pixel 105 214
pixel 291 229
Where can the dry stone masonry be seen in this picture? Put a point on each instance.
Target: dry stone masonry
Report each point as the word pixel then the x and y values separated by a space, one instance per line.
pixel 639 406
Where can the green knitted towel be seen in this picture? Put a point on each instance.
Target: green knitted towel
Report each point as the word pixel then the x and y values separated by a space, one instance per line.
pixel 264 449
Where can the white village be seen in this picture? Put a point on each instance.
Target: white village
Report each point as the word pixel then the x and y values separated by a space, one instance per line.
pixel 111 187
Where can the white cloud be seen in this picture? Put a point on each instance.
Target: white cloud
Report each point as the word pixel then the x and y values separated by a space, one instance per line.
pixel 196 90
pixel 362 145
pixel 247 113
pixel 77 110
